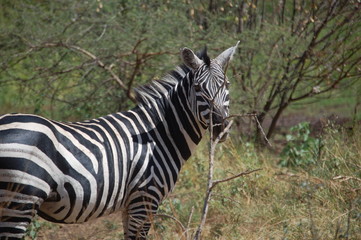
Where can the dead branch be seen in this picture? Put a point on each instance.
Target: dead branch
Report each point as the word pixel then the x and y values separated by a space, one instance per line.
pixel 173 218
pixel 212 183
pixel 262 131
pixel 212 145
pixel 93 57
pixel 185 229
pixel 107 68
pixel 141 58
pixel 259 126
pixel 241 174
pixel 189 222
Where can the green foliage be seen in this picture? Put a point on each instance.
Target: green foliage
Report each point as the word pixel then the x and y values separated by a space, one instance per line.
pixel 301 149
pixel 111 226
pixel 34 228
pixel 38 226
pixel 66 84
pixel 139 40
pixel 280 59
pixel 274 203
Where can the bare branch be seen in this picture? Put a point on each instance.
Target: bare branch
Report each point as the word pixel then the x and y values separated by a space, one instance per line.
pixel 262 131
pixel 225 130
pixel 216 182
pixel 173 218
pixel 211 183
pixel 190 218
pixel 108 68
pixel 93 57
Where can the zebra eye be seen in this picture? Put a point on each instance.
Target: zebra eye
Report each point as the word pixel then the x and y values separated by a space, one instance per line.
pixel 197 87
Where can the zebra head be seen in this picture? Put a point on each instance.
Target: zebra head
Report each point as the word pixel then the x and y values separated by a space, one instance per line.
pixel 210 98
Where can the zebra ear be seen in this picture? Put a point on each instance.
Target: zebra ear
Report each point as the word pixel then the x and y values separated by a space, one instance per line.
pixel 226 56
pixel 190 59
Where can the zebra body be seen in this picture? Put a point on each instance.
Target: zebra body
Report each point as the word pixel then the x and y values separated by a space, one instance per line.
pixel 127 161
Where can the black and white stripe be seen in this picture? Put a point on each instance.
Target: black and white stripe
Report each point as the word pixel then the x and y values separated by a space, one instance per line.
pixel 127 161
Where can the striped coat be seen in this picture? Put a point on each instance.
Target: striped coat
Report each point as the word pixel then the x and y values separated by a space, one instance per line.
pixel 127 161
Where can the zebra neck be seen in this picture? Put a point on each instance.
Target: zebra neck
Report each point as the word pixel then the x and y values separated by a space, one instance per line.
pixel 181 119
pixel 172 119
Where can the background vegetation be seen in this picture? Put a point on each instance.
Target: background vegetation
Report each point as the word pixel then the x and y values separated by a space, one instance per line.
pixel 298 61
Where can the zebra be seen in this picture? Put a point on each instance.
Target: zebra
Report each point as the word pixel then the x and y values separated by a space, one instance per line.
pixel 127 161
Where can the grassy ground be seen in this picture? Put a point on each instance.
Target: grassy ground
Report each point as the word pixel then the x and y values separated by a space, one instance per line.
pixel 310 200
pixel 342 104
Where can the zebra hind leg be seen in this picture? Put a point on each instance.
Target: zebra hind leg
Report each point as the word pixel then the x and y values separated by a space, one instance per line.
pixel 16 212
pixel 136 227
pixel 137 220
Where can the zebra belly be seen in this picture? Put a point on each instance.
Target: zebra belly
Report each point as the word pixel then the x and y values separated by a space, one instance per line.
pixel 79 200
pixel 28 173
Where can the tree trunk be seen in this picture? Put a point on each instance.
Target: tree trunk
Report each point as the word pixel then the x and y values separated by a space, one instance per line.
pixel 275 119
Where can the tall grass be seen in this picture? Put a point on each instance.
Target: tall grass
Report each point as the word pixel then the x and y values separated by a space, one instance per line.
pixel 320 200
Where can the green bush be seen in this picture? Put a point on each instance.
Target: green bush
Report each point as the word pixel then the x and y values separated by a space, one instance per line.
pixel 301 149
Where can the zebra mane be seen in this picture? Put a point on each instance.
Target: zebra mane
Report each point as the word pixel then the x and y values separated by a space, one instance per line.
pixel 148 93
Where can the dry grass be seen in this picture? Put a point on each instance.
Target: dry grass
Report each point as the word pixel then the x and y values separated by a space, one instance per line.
pixel 321 201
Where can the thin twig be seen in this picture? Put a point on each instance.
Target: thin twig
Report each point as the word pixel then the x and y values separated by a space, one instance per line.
pixel 348 220
pixel 108 68
pixel 190 218
pixel 211 183
pixel 225 130
pixel 173 218
pixel 103 32
pixel 313 229
pixel 207 198
pixel 96 59
pixel 254 115
pixel 242 115
pixel 262 131
pixel 337 230
pixel 235 176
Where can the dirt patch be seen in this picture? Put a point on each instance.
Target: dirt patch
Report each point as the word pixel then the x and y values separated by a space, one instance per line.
pixel 104 228
pixel 317 123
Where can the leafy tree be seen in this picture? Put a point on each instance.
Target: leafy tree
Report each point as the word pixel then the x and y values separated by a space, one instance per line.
pixel 80 59
pixel 295 50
